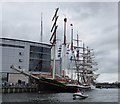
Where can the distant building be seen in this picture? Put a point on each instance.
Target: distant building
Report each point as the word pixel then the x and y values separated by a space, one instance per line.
pixel 33 57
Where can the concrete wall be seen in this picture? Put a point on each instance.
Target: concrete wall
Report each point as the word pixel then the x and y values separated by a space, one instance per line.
pixel 10 55
pixel 15 77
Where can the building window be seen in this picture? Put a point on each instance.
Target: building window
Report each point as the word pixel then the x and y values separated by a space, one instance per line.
pixel 20 53
pixel 39 59
pixel 20 67
pixel 20 60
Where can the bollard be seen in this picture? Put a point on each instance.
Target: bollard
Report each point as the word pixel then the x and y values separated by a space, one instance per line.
pixel 8 90
pixel 13 90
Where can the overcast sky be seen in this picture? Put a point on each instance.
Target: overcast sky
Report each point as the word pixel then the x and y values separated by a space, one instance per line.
pixel 96 24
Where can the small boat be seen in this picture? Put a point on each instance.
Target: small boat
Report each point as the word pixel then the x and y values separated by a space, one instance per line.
pixel 80 94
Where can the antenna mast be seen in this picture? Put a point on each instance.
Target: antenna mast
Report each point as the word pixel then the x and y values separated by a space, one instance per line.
pixel 41 32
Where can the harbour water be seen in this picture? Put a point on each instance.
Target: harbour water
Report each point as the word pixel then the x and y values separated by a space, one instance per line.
pixel 96 95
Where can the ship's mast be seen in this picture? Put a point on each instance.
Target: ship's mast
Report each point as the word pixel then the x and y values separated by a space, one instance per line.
pixel 77 58
pixel 53 41
pixel 78 76
pixel 84 64
pixel 64 49
pixel 72 48
pixel 41 32
pixel 71 37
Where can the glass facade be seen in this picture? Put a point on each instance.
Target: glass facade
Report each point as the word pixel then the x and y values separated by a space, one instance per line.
pixel 40 59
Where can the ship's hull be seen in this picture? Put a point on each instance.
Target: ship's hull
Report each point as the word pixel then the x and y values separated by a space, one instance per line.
pixel 81 87
pixel 49 85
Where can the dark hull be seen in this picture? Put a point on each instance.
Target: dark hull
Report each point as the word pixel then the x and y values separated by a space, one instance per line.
pixel 49 85
pixel 81 88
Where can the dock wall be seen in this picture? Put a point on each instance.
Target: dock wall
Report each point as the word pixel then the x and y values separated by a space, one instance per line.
pixel 17 90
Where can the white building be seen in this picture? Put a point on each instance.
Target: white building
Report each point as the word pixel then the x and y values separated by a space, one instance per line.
pixel 33 57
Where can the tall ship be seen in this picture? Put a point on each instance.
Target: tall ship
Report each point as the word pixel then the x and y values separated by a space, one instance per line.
pixel 83 67
pixel 79 58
